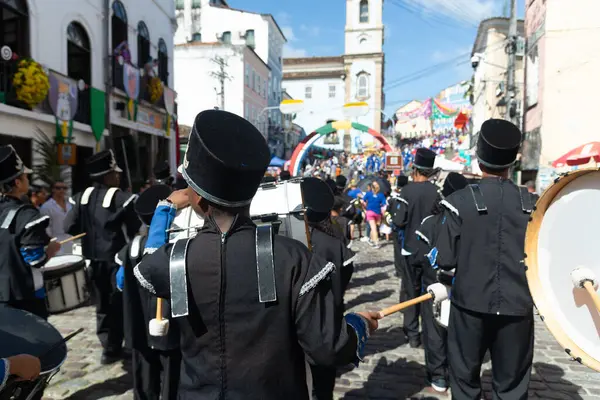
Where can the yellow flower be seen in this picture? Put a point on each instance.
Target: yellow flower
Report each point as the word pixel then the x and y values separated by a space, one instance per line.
pixel 30 82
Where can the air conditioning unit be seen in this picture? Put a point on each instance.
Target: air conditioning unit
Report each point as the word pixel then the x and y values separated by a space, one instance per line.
pixel 521 44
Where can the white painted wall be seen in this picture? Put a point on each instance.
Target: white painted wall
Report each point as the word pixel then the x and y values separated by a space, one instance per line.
pixel 361 37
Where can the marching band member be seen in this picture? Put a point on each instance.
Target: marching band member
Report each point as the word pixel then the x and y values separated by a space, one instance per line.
pixel 257 304
pixel 155 359
pixel 395 216
pixel 325 243
pixel 106 214
pixel 434 335
pixel 482 235
pixel 162 174
pixel 24 243
pixel 418 197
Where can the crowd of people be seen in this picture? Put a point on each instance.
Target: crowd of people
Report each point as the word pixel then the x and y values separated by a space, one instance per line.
pixel 237 311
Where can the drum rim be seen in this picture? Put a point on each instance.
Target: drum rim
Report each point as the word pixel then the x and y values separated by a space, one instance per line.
pixel 532 269
pixel 57 273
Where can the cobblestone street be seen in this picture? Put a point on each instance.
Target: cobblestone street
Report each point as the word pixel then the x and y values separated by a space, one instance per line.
pixel 392 370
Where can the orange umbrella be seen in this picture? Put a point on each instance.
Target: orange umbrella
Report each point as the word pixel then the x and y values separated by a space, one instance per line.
pixel 461 120
pixel 579 155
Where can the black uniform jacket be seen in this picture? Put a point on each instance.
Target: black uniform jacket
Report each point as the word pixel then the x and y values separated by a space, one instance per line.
pixel 341 226
pixel 486 248
pixel 105 220
pixel 334 250
pixel 235 347
pixel 139 305
pixel 426 235
pixel 27 231
pixel 418 198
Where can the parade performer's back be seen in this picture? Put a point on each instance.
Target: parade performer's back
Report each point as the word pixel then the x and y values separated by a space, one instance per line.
pixel 252 306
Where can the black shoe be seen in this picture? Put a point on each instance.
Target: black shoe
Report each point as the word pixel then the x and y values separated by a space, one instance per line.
pixel 414 343
pixel 110 358
pixel 439 385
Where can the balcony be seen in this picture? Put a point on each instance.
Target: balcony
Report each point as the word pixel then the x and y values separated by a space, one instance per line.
pixel 7 93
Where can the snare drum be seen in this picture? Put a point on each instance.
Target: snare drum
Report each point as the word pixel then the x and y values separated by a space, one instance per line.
pixel 66 283
pixel 562 235
pixel 29 334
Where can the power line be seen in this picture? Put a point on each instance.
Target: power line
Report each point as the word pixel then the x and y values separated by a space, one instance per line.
pixel 434 15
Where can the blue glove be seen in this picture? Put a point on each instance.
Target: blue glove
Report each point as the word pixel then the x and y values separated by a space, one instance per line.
pixel 121 278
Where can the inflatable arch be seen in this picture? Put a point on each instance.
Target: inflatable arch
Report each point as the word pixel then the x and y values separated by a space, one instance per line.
pixel 301 150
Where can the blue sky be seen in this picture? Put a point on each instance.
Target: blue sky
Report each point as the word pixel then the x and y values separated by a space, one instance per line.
pixel 419 35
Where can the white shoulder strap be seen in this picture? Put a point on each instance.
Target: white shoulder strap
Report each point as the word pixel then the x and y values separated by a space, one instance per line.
pixel 85 197
pixel 135 247
pixel 110 193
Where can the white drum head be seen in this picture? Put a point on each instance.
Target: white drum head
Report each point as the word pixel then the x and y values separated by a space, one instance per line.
pixel 60 262
pixel 563 236
pixel 280 199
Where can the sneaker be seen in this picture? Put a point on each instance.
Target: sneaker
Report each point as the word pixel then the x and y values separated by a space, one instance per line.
pixel 439 385
pixel 375 245
pixel 365 239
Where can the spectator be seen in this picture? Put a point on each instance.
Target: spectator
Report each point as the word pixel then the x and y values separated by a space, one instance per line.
pixel 374 202
pixel 57 208
pixel 39 195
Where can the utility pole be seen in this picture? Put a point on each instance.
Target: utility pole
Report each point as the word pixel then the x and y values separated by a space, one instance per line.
pixel 511 48
pixel 222 75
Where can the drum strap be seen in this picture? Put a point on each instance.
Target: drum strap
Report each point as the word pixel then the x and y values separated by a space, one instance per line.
pixel 178 279
pixel 478 198
pixel 134 251
pixel 265 266
pixel 526 200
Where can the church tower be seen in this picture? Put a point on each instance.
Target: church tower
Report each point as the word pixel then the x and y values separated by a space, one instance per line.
pixel 364 58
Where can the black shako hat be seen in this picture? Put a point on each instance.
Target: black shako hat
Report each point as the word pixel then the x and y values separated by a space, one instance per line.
pixel 226 158
pixel 162 171
pixel 453 182
pixel 147 201
pixel 341 181
pixel 498 143
pixel 11 166
pixel 401 181
pixel 332 185
pixel 424 158
pixel 102 163
pixel 318 199
pixel 285 176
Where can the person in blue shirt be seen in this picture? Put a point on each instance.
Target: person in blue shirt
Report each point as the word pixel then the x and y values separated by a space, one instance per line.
pixel 374 202
pixel 376 164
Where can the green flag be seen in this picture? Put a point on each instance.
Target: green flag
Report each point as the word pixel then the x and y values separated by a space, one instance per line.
pixel 98 112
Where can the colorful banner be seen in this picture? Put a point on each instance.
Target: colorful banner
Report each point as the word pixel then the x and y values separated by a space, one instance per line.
pixel 131 83
pixel 63 99
pixel 169 96
pixel 97 112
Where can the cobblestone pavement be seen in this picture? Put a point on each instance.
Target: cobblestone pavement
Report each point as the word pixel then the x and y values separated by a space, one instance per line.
pixel 392 370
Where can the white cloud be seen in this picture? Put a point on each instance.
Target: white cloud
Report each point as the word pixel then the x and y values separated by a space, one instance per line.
pixel 311 30
pixel 293 52
pixel 288 32
pixel 468 11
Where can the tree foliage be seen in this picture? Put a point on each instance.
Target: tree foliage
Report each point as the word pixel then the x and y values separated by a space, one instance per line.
pixel 45 167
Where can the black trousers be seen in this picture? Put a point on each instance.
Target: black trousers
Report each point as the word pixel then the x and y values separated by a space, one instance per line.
pixel 109 306
pixel 410 287
pixel 435 343
pixel 323 382
pixel 35 306
pixel 156 374
pixel 510 342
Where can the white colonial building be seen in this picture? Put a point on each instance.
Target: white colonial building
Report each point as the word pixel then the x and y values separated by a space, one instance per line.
pixel 245 86
pixel 327 83
pixel 209 21
pixel 85 47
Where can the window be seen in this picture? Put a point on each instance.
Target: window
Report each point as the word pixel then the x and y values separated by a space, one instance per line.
pixel 179 4
pixel 331 91
pixel 226 38
pixel 251 83
pixel 118 24
pixel 196 3
pixel 308 92
pixel 256 83
pixel 79 66
pixel 247 75
pixel 362 86
pixel 364 11
pixel 163 62
pixel 266 89
pixel 246 111
pixel 196 37
pixel 143 44
pixel 250 38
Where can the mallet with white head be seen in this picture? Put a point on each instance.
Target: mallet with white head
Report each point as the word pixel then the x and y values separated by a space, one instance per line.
pixel 436 292
pixel 584 278
pixel 158 326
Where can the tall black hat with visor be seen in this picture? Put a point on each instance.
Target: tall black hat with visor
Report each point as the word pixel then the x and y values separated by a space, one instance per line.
pixel 11 165
pixel 102 163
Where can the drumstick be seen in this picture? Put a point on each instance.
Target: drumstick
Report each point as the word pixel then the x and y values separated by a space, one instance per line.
pixel 159 309
pixel 71 238
pixel 437 292
pixel 584 278
pixel 60 342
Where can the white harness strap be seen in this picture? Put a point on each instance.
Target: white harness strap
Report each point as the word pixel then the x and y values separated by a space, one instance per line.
pixel 110 193
pixel 135 247
pixel 85 197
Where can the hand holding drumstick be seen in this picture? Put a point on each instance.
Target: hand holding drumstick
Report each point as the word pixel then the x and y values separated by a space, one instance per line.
pixel 54 246
pixel 584 278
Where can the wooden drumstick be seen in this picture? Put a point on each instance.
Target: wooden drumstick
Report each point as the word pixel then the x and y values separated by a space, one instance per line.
pixel 159 305
pixel 584 278
pixel 437 292
pixel 70 239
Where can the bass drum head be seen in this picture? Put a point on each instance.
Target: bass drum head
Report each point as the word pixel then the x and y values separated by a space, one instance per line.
pixel 562 236
pixel 26 333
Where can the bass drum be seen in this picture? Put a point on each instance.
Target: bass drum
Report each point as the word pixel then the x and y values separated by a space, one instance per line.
pixel 185 225
pixel 26 333
pixel 561 236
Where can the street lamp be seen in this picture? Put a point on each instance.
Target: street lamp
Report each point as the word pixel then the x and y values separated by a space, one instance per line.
pixel 360 109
